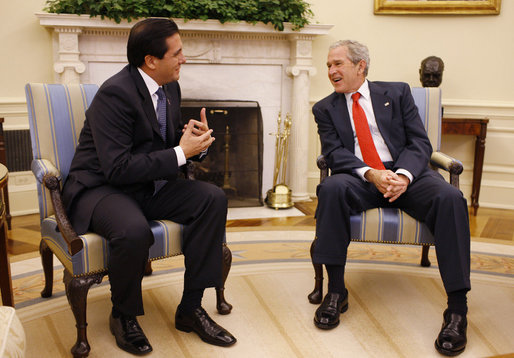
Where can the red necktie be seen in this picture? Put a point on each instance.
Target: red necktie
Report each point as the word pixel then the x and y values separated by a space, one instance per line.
pixel 368 150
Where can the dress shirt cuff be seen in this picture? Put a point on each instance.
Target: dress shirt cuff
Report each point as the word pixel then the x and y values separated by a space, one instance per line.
pixel 181 158
pixel 406 173
pixel 361 171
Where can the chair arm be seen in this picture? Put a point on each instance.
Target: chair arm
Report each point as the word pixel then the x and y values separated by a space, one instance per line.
pixel 75 244
pixel 323 167
pixel 41 167
pixel 451 165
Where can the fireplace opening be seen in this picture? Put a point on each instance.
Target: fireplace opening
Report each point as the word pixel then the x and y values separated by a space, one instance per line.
pixel 234 162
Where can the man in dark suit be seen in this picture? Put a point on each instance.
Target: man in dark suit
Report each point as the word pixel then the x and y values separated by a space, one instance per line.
pixel 125 172
pixel 376 147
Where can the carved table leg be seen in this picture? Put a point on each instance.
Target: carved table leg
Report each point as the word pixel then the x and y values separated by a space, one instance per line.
pixel 222 305
pixel 76 291
pixel 425 262
pixel 316 295
pixel 47 260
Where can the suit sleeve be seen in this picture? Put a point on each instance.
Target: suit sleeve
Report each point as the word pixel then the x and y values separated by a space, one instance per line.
pixel 339 158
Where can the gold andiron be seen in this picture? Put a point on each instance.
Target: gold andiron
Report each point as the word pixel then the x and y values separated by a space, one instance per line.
pixel 280 196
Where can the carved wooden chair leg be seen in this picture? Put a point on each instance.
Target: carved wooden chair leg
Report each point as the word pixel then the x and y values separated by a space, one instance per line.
pixel 222 305
pixel 316 295
pixel 425 262
pixel 76 292
pixel 47 260
pixel 148 268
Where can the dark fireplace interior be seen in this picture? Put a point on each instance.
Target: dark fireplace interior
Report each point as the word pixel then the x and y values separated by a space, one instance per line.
pixel 234 162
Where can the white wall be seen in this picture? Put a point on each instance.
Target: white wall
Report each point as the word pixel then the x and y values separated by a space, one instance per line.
pixel 477 52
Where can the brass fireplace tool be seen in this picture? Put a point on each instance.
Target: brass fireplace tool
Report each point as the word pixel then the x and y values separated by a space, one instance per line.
pixel 230 191
pixel 279 197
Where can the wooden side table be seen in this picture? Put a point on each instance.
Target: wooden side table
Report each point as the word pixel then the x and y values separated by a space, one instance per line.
pixel 478 128
pixel 5 268
pixel 3 161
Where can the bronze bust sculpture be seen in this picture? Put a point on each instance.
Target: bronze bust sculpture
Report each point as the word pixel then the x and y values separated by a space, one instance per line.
pixel 431 71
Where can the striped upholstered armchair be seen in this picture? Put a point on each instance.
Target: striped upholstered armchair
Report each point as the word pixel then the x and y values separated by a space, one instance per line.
pixel 390 225
pixel 56 116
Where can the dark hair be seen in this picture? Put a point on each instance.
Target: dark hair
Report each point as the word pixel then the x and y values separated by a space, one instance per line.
pixel 148 37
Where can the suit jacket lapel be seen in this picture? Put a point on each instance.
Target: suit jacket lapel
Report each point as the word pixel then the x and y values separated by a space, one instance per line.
pixel 146 99
pixel 342 121
pixel 383 110
pixel 172 104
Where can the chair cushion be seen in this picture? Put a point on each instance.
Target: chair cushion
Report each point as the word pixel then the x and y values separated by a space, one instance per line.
pixel 389 225
pixel 12 335
pixel 93 257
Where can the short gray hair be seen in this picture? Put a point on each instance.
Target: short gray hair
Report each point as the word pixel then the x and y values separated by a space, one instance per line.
pixel 356 52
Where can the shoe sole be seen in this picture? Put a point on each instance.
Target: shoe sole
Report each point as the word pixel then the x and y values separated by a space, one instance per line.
pixel 446 352
pixel 330 326
pixel 188 329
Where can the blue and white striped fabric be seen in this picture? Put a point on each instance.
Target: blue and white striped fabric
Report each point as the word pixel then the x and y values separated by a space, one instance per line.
pixel 390 225
pixel 56 117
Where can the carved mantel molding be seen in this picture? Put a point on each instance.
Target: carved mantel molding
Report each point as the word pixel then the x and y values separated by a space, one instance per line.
pixel 82 42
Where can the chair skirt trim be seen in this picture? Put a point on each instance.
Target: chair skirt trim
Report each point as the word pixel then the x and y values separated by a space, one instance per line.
pixel 389 225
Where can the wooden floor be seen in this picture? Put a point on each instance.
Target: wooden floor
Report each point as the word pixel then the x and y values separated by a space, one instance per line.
pixel 490 225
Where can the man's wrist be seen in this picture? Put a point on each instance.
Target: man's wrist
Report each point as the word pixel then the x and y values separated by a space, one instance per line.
pixel 181 157
pixel 361 172
pixel 405 173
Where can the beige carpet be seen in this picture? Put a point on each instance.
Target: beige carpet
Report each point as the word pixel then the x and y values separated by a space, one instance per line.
pixel 395 305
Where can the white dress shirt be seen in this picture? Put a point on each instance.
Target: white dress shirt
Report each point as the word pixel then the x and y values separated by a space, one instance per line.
pixel 152 89
pixel 378 140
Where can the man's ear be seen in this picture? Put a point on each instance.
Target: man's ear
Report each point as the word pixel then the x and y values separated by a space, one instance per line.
pixel 362 66
pixel 150 61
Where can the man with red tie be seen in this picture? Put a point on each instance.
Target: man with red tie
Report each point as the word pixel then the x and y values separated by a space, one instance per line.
pixel 378 151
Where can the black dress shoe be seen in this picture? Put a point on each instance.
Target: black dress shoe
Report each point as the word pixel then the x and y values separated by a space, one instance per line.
pixel 452 338
pixel 327 314
pixel 129 335
pixel 208 330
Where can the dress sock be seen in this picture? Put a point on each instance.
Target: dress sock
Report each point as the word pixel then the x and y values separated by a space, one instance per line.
pixel 336 278
pixel 457 302
pixel 191 300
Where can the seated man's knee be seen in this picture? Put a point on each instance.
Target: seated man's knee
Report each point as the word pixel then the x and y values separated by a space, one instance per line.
pixel 449 194
pixel 216 196
pixel 329 188
pixel 135 236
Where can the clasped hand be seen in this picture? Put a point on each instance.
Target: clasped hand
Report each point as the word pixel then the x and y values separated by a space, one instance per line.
pixel 196 136
pixel 390 184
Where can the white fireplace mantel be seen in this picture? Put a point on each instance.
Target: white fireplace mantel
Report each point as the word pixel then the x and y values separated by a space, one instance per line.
pixel 236 60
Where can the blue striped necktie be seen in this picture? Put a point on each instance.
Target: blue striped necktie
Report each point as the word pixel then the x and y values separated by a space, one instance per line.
pixel 161 112
pixel 161 118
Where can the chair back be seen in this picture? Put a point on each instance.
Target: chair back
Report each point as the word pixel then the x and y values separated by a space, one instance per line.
pixel 428 101
pixel 56 117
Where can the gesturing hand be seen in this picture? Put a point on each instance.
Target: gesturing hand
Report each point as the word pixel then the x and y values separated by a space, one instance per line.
pixel 199 128
pixel 196 136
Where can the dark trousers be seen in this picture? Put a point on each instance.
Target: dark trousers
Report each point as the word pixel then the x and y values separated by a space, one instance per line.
pixel 123 221
pixel 429 198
